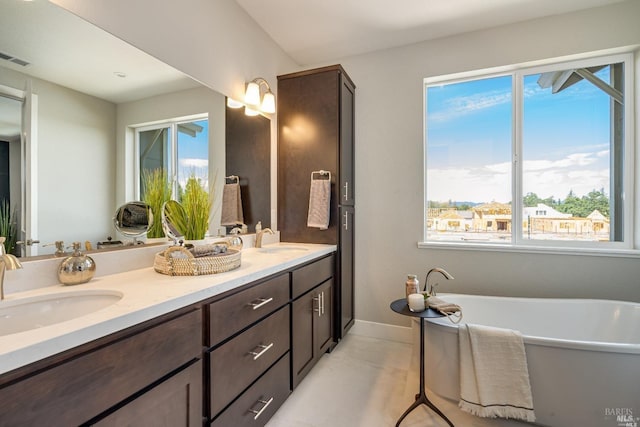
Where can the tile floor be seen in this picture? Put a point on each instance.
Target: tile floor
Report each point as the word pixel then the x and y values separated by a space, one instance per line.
pixel 364 382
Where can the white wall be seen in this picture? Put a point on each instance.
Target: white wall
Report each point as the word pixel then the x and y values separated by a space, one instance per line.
pixel 169 106
pixel 76 159
pixel 217 43
pixel 389 174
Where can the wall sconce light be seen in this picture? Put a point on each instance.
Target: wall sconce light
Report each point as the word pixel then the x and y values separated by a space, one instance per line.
pixel 253 99
pixel 254 102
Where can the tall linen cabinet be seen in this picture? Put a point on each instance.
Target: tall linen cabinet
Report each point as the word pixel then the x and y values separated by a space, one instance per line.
pixel 316 132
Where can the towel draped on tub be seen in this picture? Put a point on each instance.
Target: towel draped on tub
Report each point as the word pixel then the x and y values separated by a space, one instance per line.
pixel 494 378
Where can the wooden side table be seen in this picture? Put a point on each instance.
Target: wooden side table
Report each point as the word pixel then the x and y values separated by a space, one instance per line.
pixel 401 307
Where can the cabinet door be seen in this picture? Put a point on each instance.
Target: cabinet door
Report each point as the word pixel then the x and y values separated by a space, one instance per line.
pixel 346 290
pixel 302 335
pixel 347 187
pixel 322 319
pixel 176 402
pixel 311 325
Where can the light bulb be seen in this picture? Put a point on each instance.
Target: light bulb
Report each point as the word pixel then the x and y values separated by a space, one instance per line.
pixel 232 103
pixel 250 111
pixel 268 103
pixel 252 95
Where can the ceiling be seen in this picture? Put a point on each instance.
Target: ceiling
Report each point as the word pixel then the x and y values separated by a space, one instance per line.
pixel 65 49
pixel 313 32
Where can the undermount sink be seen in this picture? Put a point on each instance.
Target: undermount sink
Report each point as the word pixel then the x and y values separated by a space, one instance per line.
pixel 36 312
pixel 282 249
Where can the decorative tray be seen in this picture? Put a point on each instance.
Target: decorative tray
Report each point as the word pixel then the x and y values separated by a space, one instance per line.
pixel 180 261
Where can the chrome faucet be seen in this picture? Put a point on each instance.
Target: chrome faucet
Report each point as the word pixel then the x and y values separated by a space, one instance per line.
pixel 432 289
pixel 7 262
pixel 260 234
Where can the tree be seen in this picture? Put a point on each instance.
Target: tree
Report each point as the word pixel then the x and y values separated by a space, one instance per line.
pixel 531 200
pixel 582 206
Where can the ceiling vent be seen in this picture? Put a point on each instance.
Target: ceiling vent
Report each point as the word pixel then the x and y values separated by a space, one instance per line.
pixel 13 59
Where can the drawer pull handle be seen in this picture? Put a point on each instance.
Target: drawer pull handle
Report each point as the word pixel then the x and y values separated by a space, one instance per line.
pixel 265 348
pixel 263 301
pixel 265 403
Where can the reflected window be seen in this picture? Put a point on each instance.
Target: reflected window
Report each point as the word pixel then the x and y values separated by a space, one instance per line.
pixel 180 148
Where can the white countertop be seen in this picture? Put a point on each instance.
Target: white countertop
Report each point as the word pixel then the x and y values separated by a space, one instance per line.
pixel 146 295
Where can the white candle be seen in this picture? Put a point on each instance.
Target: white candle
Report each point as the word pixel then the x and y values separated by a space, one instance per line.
pixel 416 302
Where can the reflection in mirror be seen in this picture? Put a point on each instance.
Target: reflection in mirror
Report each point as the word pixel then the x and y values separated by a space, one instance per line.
pixel 174 220
pixel 93 90
pixel 248 154
pixel 82 119
pixel 133 219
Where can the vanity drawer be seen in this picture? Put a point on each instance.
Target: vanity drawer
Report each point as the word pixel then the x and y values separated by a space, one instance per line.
pixel 234 313
pixel 258 404
pixel 311 275
pixel 79 388
pixel 237 363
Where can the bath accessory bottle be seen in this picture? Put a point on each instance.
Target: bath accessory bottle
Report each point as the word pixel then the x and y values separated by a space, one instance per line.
pixel 412 286
pixel 77 268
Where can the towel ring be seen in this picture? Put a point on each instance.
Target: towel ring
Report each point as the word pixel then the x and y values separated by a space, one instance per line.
pixel 321 173
pixel 233 178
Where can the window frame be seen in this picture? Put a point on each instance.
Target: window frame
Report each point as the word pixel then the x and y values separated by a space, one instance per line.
pixel 630 162
pixel 172 125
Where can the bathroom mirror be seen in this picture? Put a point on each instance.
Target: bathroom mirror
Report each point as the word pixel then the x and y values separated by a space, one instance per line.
pixel 84 120
pixel 133 219
pixel 174 220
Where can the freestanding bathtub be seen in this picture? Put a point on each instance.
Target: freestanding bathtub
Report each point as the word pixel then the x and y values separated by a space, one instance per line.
pixel 583 355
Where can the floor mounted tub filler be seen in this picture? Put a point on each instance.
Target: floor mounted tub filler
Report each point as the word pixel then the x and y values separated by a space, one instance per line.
pixel 583 355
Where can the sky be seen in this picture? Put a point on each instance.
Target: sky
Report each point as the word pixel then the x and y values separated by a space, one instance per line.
pixel 469 140
pixel 193 154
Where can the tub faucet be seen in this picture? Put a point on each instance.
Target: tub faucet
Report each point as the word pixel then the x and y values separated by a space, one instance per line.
pixel 432 289
pixel 7 262
pixel 260 234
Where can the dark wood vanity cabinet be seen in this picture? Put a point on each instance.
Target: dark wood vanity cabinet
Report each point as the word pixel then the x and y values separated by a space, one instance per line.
pixel 316 132
pixel 248 353
pixel 158 373
pixel 311 316
pixel 128 378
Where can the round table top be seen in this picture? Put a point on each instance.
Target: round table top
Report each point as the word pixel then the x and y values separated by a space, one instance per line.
pixel 400 306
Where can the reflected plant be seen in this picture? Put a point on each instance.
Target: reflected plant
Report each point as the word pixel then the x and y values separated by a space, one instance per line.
pixel 156 189
pixel 197 205
pixel 8 226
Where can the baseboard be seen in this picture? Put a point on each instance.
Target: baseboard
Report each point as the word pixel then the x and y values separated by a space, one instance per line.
pixel 382 331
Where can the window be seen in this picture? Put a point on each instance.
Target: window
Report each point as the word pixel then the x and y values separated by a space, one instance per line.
pixel 180 147
pixel 554 138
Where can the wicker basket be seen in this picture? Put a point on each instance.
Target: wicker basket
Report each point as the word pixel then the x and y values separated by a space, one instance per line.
pixel 178 261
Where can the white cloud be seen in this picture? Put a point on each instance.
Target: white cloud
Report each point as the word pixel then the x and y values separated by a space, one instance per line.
pixel 462 105
pixel 577 172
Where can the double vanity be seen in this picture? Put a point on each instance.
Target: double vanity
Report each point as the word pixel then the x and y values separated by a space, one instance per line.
pixel 221 350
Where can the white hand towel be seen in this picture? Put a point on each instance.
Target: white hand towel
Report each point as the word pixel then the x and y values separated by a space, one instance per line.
pixel 231 205
pixel 494 379
pixel 319 201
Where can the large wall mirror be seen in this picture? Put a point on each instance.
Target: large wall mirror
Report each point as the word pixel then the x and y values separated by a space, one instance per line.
pixel 74 103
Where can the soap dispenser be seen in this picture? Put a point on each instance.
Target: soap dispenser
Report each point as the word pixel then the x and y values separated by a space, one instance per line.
pixel 77 268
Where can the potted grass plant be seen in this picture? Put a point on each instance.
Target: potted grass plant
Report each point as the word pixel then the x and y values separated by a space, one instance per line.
pixel 8 226
pixel 156 190
pixel 197 205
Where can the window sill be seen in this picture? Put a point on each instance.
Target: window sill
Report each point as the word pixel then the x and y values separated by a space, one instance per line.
pixel 543 250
